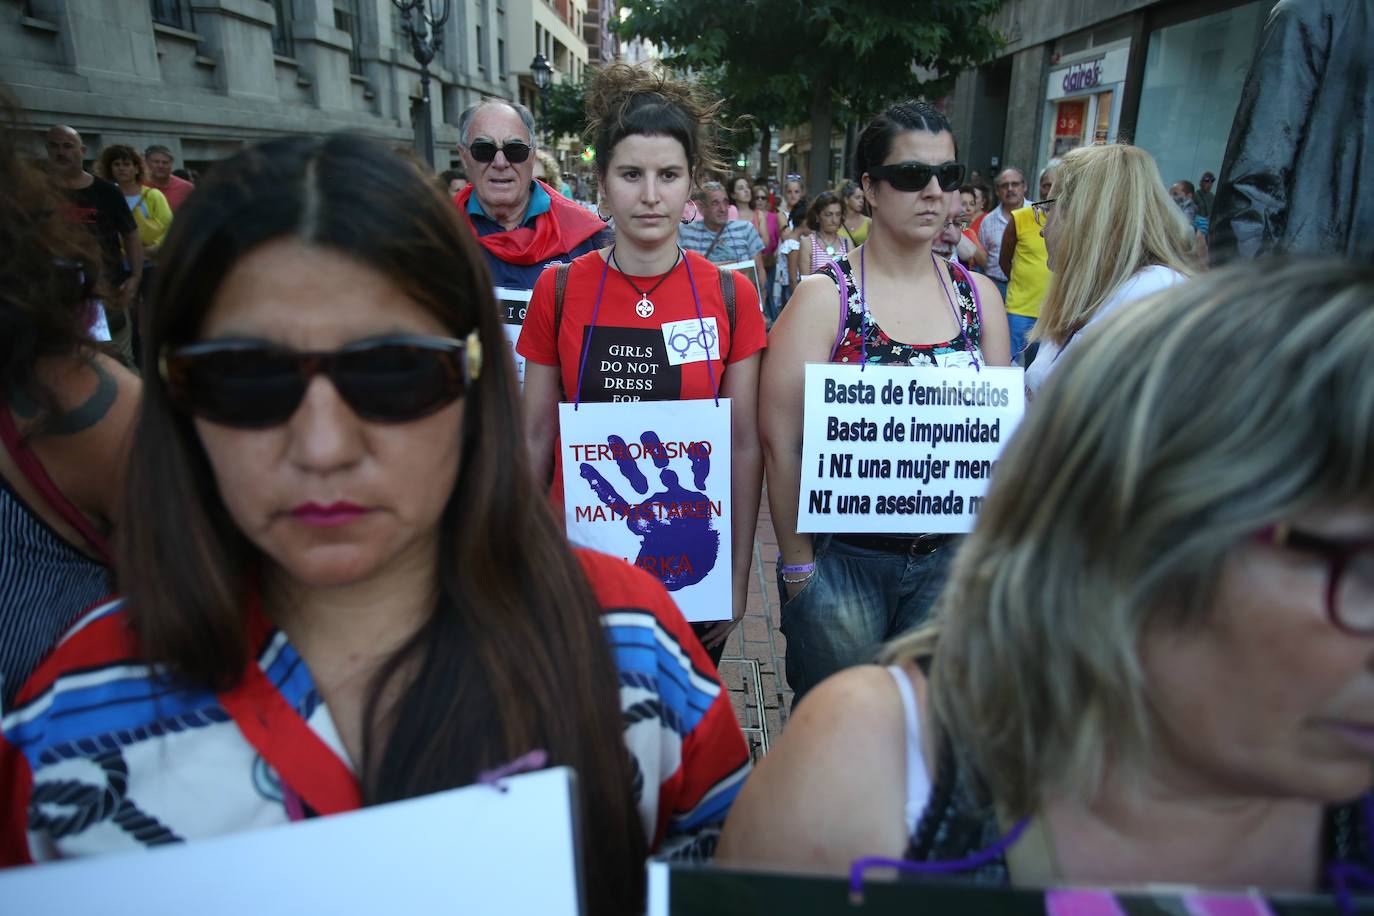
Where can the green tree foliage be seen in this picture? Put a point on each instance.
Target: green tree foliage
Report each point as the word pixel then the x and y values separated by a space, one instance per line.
pixel 563 110
pixel 799 60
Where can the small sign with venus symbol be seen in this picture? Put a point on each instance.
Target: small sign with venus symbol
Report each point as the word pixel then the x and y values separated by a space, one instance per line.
pixel 644 308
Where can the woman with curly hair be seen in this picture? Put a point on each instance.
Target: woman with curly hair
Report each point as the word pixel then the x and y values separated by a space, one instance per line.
pixel 124 166
pixel 651 136
pixel 826 239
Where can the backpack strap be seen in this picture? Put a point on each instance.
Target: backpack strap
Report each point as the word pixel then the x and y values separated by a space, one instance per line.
pixel 560 287
pixel 727 295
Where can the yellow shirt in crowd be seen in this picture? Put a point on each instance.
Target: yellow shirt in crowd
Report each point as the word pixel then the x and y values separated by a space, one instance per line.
pixel 1030 267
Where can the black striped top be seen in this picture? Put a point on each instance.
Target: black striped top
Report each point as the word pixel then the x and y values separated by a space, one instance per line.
pixel 45 584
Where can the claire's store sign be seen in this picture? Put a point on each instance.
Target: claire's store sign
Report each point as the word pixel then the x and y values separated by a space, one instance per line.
pixel 1082 76
pixel 1088 76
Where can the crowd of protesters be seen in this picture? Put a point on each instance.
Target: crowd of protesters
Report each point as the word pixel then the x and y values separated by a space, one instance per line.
pixel 321 536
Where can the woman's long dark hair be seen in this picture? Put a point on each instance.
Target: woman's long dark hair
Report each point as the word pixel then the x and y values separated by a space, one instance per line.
pixel 513 656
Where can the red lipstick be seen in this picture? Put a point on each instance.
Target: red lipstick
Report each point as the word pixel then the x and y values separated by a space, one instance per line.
pixel 332 515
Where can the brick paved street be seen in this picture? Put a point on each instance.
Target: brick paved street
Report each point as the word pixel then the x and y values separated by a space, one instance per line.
pixel 759 640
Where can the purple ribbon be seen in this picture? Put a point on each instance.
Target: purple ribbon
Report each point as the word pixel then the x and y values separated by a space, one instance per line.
pixel 953 866
pixel 526 763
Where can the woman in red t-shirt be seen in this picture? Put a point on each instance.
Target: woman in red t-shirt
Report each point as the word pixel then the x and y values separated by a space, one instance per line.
pixel 620 304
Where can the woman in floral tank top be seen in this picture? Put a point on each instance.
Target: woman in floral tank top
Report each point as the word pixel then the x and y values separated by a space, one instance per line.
pixel 888 302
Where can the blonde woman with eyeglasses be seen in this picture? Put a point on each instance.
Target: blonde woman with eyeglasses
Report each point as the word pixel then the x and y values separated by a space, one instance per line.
pixel 1113 236
pixel 1153 659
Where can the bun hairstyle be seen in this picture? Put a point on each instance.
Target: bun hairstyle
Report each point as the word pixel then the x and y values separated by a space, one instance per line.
pixel 625 101
pixel 875 143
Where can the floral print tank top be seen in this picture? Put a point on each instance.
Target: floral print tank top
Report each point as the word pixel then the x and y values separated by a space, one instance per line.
pixel 861 337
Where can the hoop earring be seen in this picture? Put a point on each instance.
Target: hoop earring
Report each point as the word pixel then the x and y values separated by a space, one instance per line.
pixel 685 217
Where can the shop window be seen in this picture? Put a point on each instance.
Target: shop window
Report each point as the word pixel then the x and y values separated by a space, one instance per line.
pixel 1194 74
pixel 1102 123
pixel 175 13
pixel 1068 126
pixel 282 41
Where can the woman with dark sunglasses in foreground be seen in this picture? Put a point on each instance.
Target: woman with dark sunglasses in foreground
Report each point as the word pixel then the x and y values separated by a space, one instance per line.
pixel 894 302
pixel 1154 658
pixel 345 588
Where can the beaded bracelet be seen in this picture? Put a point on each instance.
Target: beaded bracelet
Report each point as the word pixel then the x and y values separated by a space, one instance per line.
pixel 805 570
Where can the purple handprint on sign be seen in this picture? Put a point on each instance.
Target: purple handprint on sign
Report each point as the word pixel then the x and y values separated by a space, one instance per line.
pixel 679 541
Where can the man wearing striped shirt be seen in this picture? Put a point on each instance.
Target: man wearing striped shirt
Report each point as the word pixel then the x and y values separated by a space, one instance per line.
pixel 718 238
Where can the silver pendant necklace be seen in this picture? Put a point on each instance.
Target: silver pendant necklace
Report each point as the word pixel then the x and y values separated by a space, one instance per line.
pixel 644 308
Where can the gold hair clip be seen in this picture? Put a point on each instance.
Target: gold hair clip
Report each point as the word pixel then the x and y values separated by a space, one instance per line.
pixel 472 356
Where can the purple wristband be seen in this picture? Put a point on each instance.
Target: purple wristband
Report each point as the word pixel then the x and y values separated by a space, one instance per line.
pixel 804 568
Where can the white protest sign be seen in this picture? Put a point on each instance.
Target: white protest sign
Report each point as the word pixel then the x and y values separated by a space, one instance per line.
pixel 476 850
pixel 649 481
pixel 749 269
pixel 512 304
pixel 902 449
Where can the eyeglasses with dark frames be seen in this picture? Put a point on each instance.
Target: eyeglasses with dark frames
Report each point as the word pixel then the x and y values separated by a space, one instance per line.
pixel 252 384
pixel 485 151
pixel 1040 209
pixel 1350 574
pixel 916 176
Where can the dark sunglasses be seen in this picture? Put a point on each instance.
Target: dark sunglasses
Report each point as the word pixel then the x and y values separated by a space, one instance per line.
pixel 253 385
pixel 914 176
pixel 485 151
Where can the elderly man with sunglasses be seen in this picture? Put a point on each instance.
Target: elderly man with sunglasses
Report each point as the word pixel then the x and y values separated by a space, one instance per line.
pixel 521 223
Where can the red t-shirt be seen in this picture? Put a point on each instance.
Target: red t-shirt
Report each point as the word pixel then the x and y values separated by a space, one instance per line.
pixel 658 358
pixel 176 192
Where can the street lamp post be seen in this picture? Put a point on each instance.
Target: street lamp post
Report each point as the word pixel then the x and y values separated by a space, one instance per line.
pixel 425 32
pixel 543 77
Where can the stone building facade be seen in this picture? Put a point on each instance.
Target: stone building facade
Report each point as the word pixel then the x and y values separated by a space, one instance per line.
pixel 205 77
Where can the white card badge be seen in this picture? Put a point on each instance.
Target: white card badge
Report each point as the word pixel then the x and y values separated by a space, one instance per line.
pixel 691 341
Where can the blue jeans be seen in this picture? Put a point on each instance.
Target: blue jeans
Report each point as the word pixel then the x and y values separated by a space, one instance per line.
pixel 856 600
pixel 1020 327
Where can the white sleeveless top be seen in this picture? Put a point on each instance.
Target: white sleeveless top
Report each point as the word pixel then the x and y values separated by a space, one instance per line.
pixel 917 776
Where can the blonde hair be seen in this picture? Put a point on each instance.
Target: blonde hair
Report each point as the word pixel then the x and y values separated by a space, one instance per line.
pixel 1113 218
pixel 553 173
pixel 1152 452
